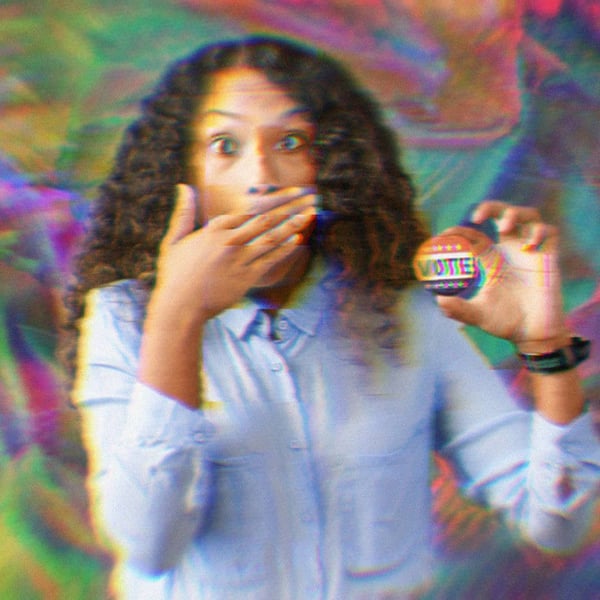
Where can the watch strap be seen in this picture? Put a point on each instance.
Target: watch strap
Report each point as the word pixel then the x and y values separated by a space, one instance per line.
pixel 562 359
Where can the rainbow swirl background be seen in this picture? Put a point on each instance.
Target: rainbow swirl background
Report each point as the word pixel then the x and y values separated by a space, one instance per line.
pixel 491 98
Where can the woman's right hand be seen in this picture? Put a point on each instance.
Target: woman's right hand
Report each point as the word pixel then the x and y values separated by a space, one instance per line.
pixel 201 273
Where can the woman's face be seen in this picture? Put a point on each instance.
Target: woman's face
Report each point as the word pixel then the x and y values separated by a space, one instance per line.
pixel 249 137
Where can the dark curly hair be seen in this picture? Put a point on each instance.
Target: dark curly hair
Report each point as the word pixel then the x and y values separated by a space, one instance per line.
pixel 374 231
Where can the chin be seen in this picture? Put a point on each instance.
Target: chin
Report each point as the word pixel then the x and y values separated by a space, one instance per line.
pixel 284 275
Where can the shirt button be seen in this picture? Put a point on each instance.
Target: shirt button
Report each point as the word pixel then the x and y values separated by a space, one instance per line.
pixel 199 437
pixel 296 444
pixel 283 324
pixel 276 366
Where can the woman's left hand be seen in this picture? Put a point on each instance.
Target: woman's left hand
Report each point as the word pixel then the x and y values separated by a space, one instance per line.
pixel 520 299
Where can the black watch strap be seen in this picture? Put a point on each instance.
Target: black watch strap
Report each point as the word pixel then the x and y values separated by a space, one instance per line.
pixel 562 359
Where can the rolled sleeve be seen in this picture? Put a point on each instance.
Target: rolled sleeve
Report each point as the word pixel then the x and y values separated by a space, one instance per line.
pixel 544 477
pixel 154 418
pixel 564 464
pixel 146 469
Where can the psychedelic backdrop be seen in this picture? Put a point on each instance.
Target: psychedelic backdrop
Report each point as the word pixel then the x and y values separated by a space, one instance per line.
pixel 491 98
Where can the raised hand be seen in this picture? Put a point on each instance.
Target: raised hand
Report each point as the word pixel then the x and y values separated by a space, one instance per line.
pixel 520 299
pixel 203 272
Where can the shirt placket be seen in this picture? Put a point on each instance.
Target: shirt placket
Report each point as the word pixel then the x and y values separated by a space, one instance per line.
pixel 280 336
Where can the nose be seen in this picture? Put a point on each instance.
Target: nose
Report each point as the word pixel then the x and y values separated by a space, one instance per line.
pixel 262 171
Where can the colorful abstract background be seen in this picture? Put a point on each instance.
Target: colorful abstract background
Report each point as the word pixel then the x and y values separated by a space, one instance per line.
pixel 491 98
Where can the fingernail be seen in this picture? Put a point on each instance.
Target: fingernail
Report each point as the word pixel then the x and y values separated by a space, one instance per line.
pixel 528 247
pixel 263 189
pixel 300 219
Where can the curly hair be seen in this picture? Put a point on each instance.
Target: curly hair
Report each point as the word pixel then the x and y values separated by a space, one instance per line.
pixel 374 231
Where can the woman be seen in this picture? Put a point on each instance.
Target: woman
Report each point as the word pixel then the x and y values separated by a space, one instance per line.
pixel 260 383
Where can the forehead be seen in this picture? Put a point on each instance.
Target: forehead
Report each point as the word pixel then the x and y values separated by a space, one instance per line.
pixel 245 91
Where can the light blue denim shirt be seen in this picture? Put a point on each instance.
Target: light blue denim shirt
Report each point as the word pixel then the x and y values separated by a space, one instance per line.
pixel 307 474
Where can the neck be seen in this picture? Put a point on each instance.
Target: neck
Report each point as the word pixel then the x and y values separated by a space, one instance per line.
pixel 277 297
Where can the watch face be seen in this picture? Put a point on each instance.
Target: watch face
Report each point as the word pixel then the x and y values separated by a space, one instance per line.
pixel 446 265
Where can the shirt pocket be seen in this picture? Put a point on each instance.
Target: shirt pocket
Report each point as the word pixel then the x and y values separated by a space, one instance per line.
pixel 384 509
pixel 234 542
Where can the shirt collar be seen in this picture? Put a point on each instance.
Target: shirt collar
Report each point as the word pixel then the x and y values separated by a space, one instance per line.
pixel 240 318
pixel 305 310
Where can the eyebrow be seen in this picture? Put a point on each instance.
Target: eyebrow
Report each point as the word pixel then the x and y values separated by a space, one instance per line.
pixel 286 115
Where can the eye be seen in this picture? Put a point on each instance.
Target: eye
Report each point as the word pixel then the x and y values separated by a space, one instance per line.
pixel 292 142
pixel 225 145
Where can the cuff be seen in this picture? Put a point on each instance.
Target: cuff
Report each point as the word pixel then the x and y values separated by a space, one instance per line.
pixel 565 463
pixel 577 439
pixel 154 418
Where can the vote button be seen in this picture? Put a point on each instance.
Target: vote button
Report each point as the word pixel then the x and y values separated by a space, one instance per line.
pixel 446 265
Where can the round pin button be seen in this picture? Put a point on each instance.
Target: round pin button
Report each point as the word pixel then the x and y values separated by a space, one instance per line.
pixel 446 265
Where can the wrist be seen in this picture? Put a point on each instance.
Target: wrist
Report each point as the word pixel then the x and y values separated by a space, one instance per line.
pixel 163 313
pixel 541 346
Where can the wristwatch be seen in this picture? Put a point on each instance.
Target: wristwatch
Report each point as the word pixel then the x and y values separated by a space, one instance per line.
pixel 562 359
